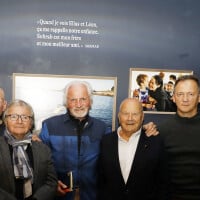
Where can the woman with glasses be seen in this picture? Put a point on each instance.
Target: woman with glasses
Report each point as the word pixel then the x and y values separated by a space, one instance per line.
pixel 26 168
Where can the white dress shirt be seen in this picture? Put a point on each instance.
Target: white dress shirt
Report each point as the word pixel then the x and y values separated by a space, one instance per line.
pixel 126 150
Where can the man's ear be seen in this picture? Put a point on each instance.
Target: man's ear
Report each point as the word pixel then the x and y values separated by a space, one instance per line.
pixel 118 119
pixel 173 99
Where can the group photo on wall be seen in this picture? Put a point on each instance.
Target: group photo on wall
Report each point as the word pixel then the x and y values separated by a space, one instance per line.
pixel 154 88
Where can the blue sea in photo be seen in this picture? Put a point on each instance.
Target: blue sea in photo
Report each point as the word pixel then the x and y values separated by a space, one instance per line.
pixel 102 109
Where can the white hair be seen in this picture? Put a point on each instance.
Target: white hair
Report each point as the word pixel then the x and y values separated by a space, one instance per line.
pixel 77 82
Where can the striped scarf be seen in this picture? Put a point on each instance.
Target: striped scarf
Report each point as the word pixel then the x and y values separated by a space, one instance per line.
pixel 21 163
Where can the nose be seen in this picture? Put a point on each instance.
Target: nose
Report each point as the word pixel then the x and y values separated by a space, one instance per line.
pixel 19 119
pixel 79 103
pixel 185 97
pixel 130 116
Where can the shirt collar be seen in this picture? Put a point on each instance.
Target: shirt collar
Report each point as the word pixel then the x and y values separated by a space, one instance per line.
pixel 134 135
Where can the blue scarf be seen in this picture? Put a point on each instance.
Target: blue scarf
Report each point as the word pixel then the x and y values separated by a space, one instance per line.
pixel 21 163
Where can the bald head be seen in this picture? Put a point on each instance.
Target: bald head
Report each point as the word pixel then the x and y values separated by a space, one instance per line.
pixel 132 102
pixel 130 115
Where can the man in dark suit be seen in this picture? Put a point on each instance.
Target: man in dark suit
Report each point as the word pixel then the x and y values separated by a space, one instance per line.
pixel 132 165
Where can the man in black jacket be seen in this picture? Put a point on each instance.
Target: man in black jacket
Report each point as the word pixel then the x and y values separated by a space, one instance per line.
pixel 132 165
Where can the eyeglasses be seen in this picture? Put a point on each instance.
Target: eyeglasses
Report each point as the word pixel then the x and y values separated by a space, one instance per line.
pixel 15 117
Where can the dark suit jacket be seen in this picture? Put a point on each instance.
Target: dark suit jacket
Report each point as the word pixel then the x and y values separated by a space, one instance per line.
pixel 45 181
pixel 148 176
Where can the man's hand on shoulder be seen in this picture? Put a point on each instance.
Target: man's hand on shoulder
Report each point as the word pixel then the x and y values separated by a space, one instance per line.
pixel 35 137
pixel 150 129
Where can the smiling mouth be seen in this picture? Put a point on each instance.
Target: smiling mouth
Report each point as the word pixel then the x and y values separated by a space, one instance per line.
pixel 81 110
pixel 185 104
pixel 130 123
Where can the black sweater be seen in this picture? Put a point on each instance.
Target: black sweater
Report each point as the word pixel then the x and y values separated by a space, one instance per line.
pixel 182 142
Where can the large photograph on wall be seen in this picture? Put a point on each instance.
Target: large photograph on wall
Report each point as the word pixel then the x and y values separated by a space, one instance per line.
pixel 154 88
pixel 45 94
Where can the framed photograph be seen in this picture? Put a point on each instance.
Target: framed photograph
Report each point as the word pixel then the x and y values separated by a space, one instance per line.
pixel 45 93
pixel 154 88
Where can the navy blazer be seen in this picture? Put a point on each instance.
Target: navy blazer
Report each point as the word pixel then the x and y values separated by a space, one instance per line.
pixel 45 180
pixel 148 176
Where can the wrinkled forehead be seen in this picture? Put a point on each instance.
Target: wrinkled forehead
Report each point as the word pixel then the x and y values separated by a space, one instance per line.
pixel 131 105
pixel 19 109
pixel 186 86
pixel 77 90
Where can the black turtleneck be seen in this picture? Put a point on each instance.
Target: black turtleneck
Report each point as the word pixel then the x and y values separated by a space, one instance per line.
pixel 182 141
